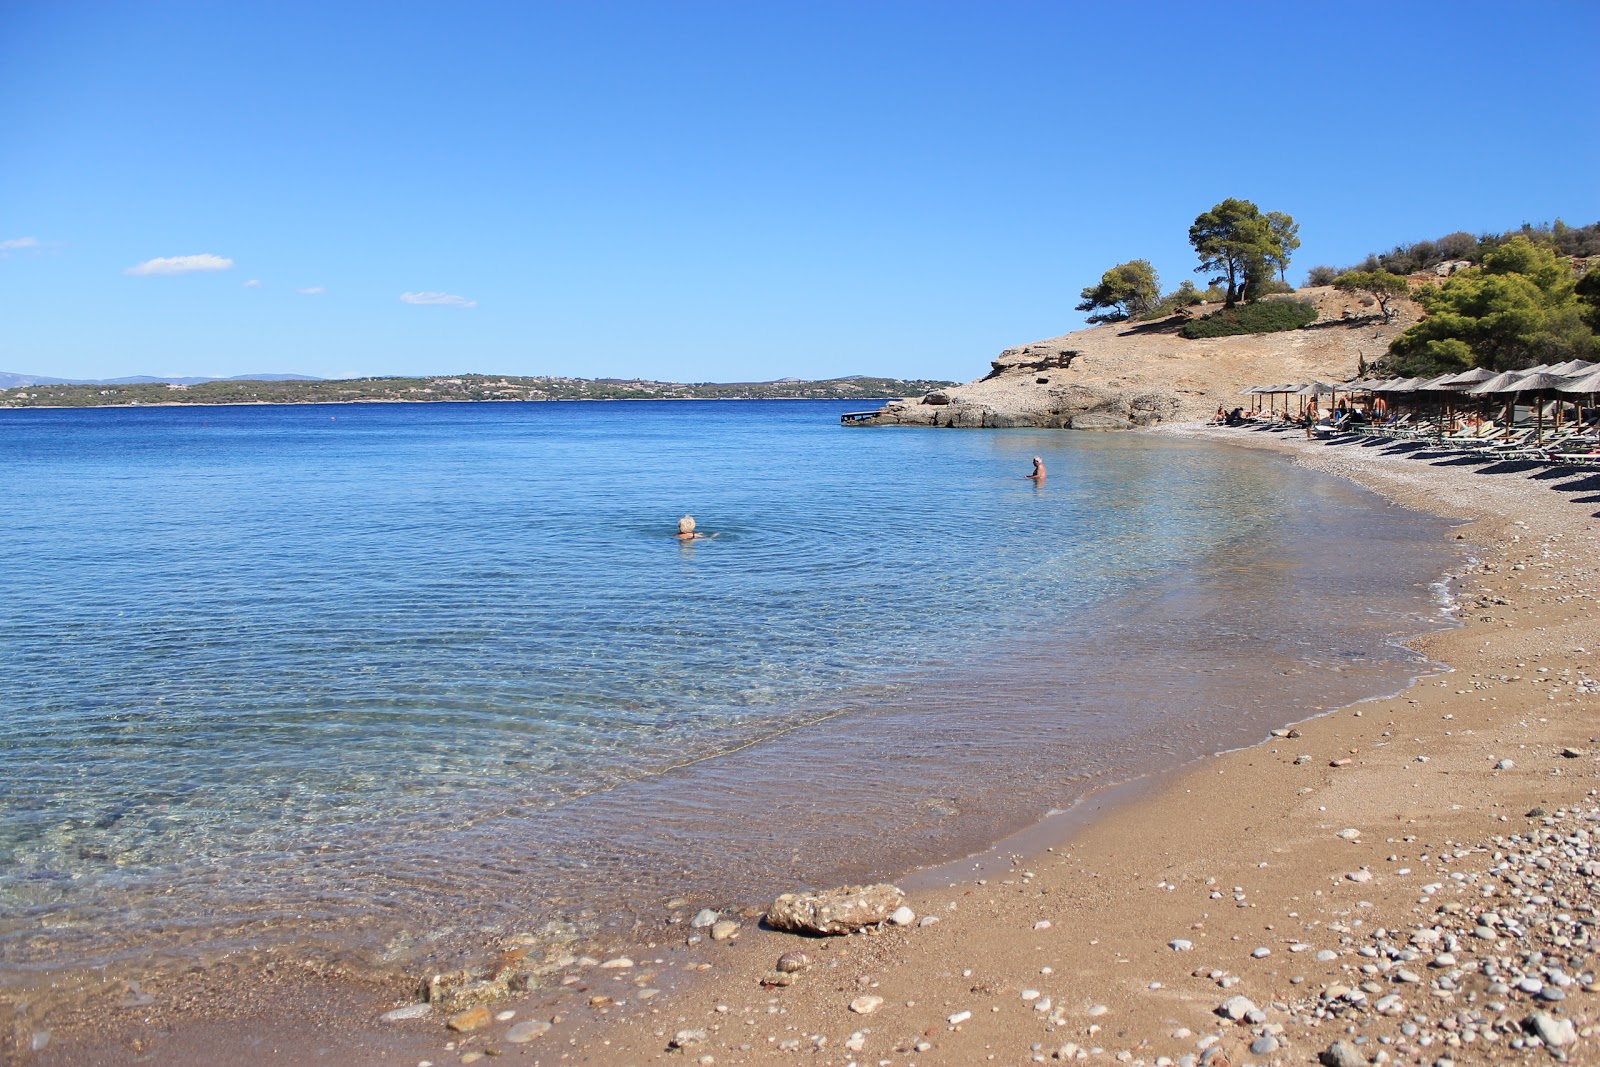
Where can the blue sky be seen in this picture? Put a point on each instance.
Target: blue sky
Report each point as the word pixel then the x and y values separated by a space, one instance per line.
pixel 717 191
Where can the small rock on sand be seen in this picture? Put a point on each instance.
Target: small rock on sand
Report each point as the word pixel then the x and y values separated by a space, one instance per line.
pixel 621 963
pixel 902 916
pixel 689 1038
pixel 1554 1032
pixel 724 929
pixel 834 911
pixel 866 1005
pixel 1359 876
pixel 704 918
pixel 1342 1054
pixel 1180 944
pixel 410 1011
pixel 522 1033
pixel 1235 1008
pixel 790 962
pixel 469 1020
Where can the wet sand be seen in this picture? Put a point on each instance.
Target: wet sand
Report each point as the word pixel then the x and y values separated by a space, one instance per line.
pixel 1117 878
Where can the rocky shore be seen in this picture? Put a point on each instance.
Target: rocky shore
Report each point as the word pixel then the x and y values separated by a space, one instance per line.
pixel 1129 374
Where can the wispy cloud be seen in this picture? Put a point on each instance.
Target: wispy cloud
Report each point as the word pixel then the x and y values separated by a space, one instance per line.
pixel 19 242
pixel 180 264
pixel 253 283
pixel 443 300
pixel 312 290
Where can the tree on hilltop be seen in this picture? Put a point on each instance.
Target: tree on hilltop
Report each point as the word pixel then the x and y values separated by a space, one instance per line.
pixel 1126 290
pixel 1518 309
pixel 1243 247
pixel 1378 284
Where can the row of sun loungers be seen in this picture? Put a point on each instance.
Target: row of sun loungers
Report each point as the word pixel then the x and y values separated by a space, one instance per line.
pixel 1575 445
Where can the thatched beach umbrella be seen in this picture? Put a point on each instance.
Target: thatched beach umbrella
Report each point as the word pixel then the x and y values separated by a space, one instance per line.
pixel 1525 382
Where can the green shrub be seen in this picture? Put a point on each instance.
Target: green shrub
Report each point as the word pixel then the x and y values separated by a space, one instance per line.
pixel 1266 316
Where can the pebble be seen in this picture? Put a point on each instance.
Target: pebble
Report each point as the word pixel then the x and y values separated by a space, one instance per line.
pixel 1265 1045
pixel 1362 876
pixel 866 1005
pixel 724 930
pixel 1349 833
pixel 1554 1032
pixel 959 1017
pixel 1097 1011
pixel 1236 1008
pixel 704 918
pixel 927 920
pixel 1261 953
pixel 621 963
pixel 469 1020
pixel 1342 1054
pixel 790 962
pixel 1505 765
pixel 524 1032
pixel 1326 955
pixel 902 916
pixel 410 1011
pixel 689 1038
pixel 1179 944
pixel 1042 924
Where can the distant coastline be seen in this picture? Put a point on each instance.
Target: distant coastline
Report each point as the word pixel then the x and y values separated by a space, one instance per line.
pixel 467 388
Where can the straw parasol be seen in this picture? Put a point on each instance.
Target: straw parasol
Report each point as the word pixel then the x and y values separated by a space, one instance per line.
pixel 1586 383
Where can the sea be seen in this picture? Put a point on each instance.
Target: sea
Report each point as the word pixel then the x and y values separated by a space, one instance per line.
pixel 390 683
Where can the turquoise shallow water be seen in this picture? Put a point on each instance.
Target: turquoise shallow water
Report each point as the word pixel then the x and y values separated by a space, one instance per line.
pixel 366 667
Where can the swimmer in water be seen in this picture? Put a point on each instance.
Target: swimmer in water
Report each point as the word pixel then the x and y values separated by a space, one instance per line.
pixel 686 531
pixel 1038 470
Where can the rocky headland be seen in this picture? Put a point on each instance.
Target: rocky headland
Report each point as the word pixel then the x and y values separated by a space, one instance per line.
pixel 1129 374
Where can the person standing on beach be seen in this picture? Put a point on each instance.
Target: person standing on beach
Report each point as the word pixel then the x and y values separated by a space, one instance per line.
pixel 1038 470
pixel 1311 415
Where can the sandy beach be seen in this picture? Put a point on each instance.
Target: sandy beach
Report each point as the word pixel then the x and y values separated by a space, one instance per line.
pixel 1412 875
pixel 1399 875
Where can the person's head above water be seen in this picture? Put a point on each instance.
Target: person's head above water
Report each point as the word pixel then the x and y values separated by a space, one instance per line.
pixel 686 524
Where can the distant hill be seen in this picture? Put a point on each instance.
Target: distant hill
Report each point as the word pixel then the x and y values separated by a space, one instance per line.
pixel 12 380
pixel 298 389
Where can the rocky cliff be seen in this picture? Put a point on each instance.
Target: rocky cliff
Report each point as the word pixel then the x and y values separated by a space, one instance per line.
pixel 1128 374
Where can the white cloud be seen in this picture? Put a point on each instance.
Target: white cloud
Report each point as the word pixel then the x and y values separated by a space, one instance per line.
pixel 253 283
pixel 311 290
pixel 19 242
pixel 446 300
pixel 181 264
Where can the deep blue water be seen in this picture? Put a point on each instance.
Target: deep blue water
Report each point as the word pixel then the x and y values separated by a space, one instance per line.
pixel 232 638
